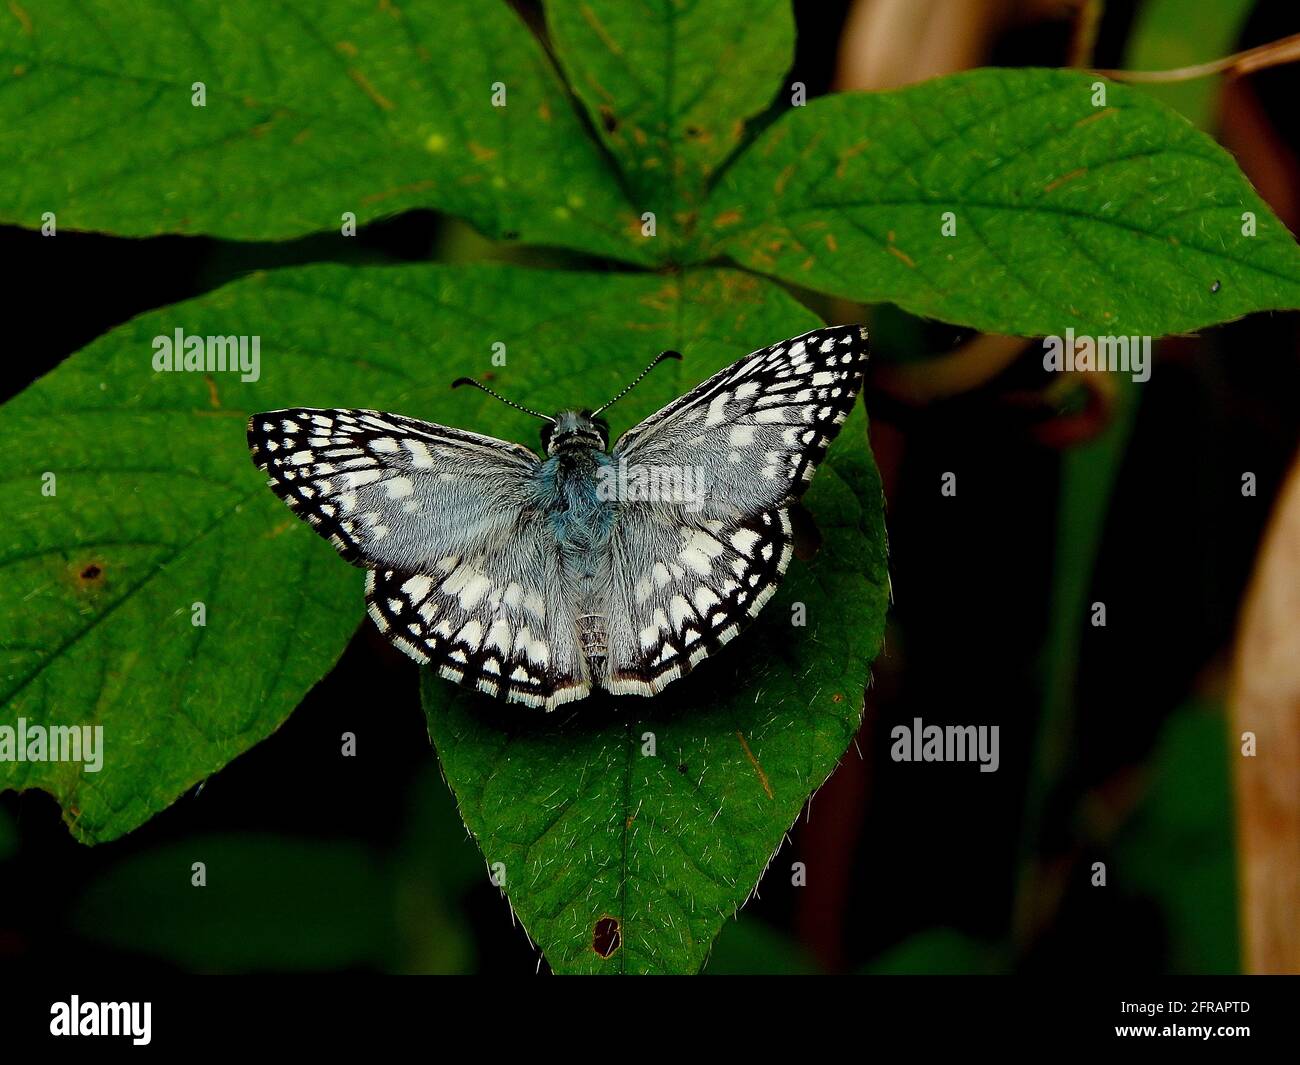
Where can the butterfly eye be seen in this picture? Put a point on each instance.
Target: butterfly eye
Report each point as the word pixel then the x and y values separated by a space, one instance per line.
pixel 547 430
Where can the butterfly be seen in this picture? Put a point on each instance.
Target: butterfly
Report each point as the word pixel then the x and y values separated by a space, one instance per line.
pixel 538 579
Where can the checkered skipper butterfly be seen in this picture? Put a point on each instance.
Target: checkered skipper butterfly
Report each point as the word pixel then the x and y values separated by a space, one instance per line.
pixel 538 579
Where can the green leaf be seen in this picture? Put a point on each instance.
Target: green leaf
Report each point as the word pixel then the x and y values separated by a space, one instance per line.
pixel 157 506
pixel 311 111
pixel 669 85
pixel 594 834
pixel 747 947
pixel 940 951
pixel 1178 848
pixel 1115 219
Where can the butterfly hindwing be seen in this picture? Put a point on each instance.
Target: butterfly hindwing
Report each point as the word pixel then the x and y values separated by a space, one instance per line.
pixel 489 625
pixel 700 585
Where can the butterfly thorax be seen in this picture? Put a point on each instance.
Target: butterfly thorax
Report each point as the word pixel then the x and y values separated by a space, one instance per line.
pixel 568 492
pixel 582 521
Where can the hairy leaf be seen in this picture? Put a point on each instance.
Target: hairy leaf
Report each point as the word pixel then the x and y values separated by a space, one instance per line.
pixel 669 86
pixel 311 110
pixel 1114 219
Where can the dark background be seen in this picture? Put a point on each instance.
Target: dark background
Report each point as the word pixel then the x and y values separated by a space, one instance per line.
pixel 361 863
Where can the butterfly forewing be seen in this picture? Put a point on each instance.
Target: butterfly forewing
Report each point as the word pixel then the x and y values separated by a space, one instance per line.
pixel 760 426
pixel 387 490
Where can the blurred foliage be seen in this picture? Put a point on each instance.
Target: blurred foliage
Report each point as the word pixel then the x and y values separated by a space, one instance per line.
pixel 1172 34
pixel 1185 823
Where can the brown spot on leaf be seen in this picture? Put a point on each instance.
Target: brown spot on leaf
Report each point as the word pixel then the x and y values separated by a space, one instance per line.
pixel 1052 186
pixel 778 186
pixel 727 218
pixel 901 256
pixel 606 936
pixel 609 120
pixel 24 19
pixel 92 573
pixel 398 190
pixel 838 697
pixel 762 777
pixel 850 153
pixel 1093 118
pixel 376 97
pixel 606 38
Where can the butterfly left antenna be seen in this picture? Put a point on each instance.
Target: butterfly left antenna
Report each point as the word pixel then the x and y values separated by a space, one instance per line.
pixel 639 378
pixel 496 395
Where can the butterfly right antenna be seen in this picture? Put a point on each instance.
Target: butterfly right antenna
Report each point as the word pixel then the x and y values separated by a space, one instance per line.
pixel 639 378
pixel 495 395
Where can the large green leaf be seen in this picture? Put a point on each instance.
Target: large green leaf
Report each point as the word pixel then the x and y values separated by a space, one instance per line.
pixel 1114 219
pixel 312 110
pixel 669 85
pixel 157 506
pixel 595 835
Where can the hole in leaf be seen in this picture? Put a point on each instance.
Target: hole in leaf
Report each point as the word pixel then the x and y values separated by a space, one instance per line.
pixel 606 937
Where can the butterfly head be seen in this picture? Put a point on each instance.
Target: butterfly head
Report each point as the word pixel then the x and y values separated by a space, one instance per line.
pixel 572 429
